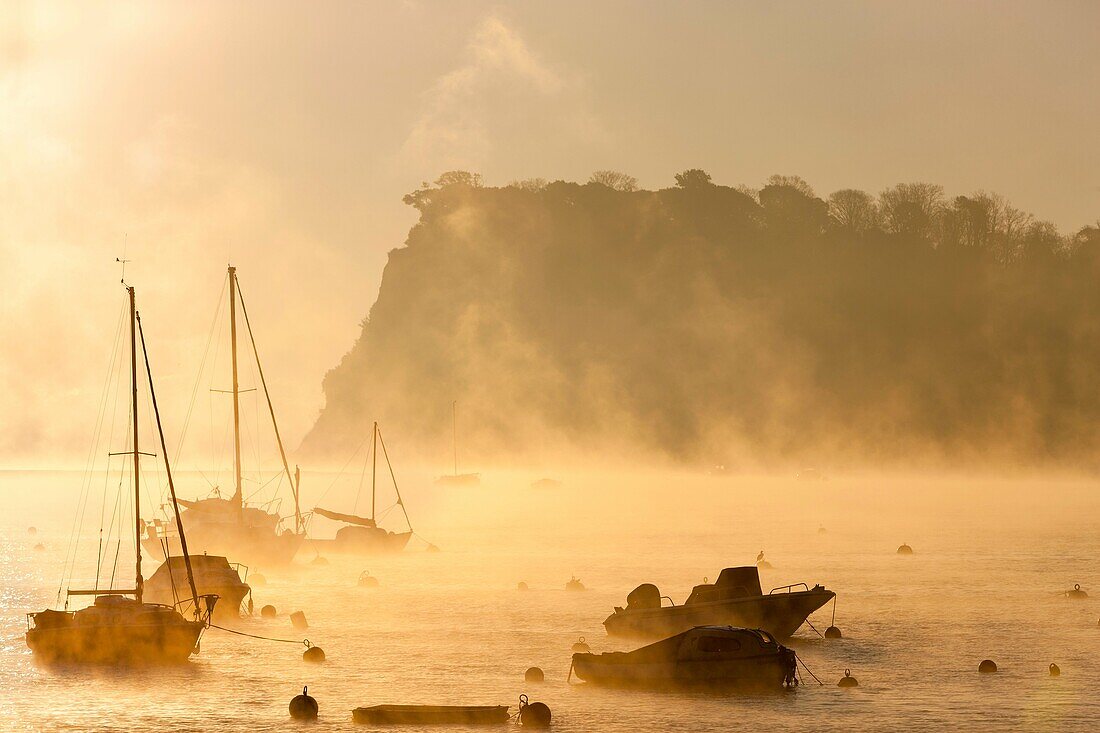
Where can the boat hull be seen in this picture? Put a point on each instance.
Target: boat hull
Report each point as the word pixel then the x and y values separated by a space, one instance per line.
pixel 763 672
pixel 369 541
pixel 254 546
pixel 138 643
pixel 780 614
pixel 214 576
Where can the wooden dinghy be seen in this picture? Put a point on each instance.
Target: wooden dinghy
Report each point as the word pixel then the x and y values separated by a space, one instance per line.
pixel 432 714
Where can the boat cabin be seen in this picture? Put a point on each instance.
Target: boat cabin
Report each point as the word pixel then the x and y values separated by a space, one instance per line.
pixel 742 582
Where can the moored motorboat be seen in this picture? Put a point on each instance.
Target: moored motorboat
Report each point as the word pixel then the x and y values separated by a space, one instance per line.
pixel 213 574
pixel 736 599
pixel 705 656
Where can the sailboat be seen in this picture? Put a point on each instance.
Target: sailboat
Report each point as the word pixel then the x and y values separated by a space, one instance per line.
pixel 456 478
pixel 362 535
pixel 120 627
pixel 229 527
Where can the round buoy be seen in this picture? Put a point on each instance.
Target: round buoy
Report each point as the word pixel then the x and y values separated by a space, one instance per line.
pixel 32 531
pixel 988 666
pixel 366 580
pixel 268 611
pixel 821 530
pixel 533 674
pixel 848 680
pixel 256 579
pixel 303 707
pixel 1076 592
pixel 432 548
pixel 905 550
pixel 833 633
pixel 298 619
pixel 521 586
pixel 581 647
pixel 1055 670
pixel 319 561
pixel 534 715
pixel 313 654
pixel 39 547
pixel 574 584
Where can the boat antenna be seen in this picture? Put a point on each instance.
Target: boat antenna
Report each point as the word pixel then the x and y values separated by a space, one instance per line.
pixel 238 496
pixel 171 484
pixel 138 581
pixel 294 480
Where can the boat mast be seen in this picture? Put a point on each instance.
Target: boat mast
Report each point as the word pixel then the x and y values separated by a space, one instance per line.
pixel 238 497
pixel 168 472
pixel 454 431
pixel 138 582
pixel 373 467
pixel 295 481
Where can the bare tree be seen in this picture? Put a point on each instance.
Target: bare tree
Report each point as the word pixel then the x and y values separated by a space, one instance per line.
pixel 529 184
pixel 464 178
pixel 914 209
pixel 615 180
pixel 853 210
pixel 796 182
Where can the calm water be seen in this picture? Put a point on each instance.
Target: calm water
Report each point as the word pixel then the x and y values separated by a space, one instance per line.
pixel 992 557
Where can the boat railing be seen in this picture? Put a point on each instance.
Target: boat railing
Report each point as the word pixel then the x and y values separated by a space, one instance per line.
pixel 789 588
pixel 666 598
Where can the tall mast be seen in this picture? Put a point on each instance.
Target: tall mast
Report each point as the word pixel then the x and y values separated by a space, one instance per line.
pixel 168 471
pixel 373 467
pixel 138 582
pixel 238 496
pixel 454 431
pixel 295 480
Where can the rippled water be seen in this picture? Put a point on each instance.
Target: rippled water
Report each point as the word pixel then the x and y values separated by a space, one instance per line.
pixel 451 628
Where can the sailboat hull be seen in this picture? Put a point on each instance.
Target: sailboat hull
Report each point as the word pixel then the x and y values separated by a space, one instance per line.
pixel 253 546
pixel 369 540
pixel 129 634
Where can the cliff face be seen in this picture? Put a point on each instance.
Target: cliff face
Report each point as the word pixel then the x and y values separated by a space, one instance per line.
pixel 702 325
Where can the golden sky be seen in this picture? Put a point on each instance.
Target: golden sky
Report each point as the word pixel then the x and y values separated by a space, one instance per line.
pixel 282 135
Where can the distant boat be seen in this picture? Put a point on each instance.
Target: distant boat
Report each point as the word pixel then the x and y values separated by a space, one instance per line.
pixel 116 629
pixel 705 656
pixel 362 534
pixel 431 714
pixel 229 527
pixel 546 483
pixel 736 599
pixel 456 478
pixel 213 574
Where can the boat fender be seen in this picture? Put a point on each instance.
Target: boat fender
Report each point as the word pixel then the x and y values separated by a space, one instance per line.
pixel 533 674
pixel 313 653
pixel 256 580
pixel 268 611
pixel 533 714
pixel 848 680
pixel 304 707
pixel 581 647
pixel 833 633
pixel 1055 670
pixel 298 619
pixel 988 666
pixel 251 606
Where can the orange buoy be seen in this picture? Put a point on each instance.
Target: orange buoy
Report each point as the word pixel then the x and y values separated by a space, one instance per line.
pixel 581 647
pixel 303 707
pixel 268 611
pixel 848 680
pixel 534 674
pixel 988 666
pixel 313 654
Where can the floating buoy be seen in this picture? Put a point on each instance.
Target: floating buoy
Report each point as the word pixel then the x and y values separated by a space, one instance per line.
pixel 313 654
pixel 821 530
pixel 1055 670
pixel 268 611
pixel 32 531
pixel 533 674
pixel 533 714
pixel 1076 592
pixel 303 707
pixel 763 565
pixel 366 580
pixel 432 548
pixel 256 579
pixel 318 561
pixel 521 586
pixel 988 666
pixel 848 680
pixel 298 618
pixel 833 633
pixel 39 547
pixel 905 550
pixel 581 647
pixel 574 584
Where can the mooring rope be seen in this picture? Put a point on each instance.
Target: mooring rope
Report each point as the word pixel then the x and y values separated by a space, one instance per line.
pixel 264 638
pixel 814 628
pixel 808 670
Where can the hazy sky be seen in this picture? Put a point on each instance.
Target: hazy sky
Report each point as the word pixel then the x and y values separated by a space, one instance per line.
pixel 282 135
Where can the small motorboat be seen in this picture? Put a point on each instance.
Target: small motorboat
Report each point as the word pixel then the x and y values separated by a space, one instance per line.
pixel 735 599
pixel 431 714
pixel 214 575
pixel 705 656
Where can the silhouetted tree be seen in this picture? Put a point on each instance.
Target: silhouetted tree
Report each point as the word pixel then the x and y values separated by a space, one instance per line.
pixel 693 178
pixel 615 180
pixel 912 209
pixel 853 211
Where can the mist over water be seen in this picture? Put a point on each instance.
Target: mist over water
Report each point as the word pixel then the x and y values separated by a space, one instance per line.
pixel 991 558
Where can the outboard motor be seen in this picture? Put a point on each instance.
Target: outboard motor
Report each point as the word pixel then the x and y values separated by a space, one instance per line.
pixel 643 597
